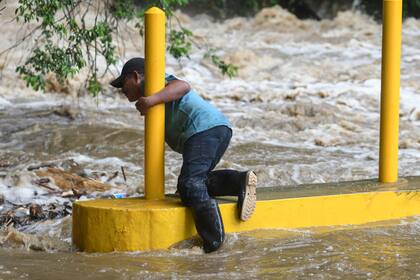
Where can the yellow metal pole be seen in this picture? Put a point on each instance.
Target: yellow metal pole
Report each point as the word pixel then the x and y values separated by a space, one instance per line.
pixel 390 90
pixel 154 170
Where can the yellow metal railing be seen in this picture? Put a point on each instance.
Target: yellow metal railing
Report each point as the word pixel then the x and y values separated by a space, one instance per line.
pixel 155 80
pixel 106 225
pixel 390 90
pixel 154 168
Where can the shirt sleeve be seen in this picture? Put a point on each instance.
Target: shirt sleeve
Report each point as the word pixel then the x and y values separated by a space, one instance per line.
pixel 170 77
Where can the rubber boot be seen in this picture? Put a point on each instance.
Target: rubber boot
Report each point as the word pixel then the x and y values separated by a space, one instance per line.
pixel 235 183
pixel 209 224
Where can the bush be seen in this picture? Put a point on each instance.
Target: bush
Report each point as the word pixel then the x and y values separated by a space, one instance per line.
pixel 65 43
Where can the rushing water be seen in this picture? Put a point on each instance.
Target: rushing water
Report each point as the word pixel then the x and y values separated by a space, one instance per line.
pixel 305 109
pixel 382 251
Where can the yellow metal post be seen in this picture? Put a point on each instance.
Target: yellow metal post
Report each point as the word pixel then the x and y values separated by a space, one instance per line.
pixel 154 170
pixel 390 90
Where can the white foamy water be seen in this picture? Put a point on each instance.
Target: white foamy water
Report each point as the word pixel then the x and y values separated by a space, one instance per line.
pixel 304 109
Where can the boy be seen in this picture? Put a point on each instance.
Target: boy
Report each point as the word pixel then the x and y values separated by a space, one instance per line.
pixel 201 133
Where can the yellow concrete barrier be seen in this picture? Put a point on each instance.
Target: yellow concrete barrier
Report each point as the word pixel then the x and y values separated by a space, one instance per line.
pixel 390 90
pixel 139 224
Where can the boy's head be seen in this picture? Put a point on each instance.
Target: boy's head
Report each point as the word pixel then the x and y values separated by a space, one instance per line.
pixel 131 79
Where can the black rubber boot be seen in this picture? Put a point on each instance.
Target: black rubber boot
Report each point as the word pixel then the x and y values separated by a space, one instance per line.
pixel 209 224
pixel 235 183
pixel 225 182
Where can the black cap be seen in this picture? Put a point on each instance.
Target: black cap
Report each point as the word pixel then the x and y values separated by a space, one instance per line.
pixel 134 64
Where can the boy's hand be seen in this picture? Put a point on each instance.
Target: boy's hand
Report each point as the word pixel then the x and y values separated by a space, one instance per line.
pixel 143 104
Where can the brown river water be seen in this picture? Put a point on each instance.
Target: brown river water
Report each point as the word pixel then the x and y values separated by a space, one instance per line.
pixel 379 251
pixel 304 109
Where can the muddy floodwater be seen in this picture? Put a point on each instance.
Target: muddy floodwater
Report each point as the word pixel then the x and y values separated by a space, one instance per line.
pixel 381 251
pixel 304 109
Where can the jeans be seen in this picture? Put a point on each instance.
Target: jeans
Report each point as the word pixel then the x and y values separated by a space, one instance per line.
pixel 202 152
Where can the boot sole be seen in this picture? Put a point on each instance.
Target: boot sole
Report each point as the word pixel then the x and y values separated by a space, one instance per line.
pixel 250 198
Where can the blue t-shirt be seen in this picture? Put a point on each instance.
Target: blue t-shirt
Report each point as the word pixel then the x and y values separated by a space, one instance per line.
pixel 187 116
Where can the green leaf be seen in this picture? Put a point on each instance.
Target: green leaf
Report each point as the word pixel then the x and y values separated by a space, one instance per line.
pixel 94 87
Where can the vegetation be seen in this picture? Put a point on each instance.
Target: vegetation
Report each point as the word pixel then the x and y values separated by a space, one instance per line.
pixel 411 8
pixel 303 9
pixel 65 42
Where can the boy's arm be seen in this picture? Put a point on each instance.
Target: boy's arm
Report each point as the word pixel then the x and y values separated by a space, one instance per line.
pixel 174 90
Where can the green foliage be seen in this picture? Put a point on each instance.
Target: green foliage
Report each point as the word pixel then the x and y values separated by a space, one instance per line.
pixel 123 9
pixel 411 8
pixel 63 62
pixel 178 44
pixel 64 35
pixel 65 43
pixel 226 68
pixel 37 82
pixel 168 5
pixel 94 87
